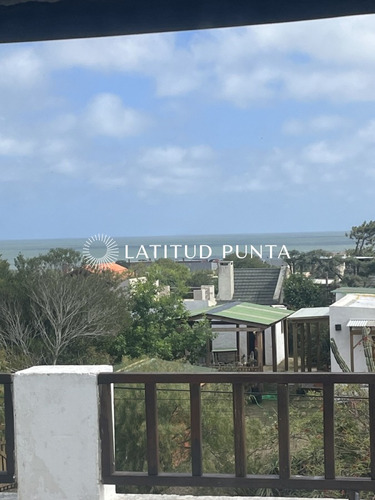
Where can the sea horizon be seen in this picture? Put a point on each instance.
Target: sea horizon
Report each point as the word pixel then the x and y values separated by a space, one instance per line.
pixel 174 246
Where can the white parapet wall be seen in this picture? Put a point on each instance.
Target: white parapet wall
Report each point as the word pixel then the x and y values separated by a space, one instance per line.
pixel 57 438
pixel 57 433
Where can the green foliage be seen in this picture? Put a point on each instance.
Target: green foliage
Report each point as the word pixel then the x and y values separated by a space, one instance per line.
pixel 159 327
pixel 170 273
pixel 364 237
pixel 50 315
pixel 318 263
pixel 63 259
pixel 300 291
pixel 247 261
pixel 202 277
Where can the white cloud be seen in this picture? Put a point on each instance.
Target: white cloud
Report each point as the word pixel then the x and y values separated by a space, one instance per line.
pixel 315 125
pixel 10 146
pixel 175 170
pixel 106 115
pixel 20 68
pixel 367 133
pixel 321 153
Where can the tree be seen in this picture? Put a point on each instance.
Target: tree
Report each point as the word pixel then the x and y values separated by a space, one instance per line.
pixel 159 326
pixel 202 277
pixel 167 273
pixel 65 308
pixel 50 310
pixel 64 259
pixel 300 291
pixel 247 261
pixel 364 237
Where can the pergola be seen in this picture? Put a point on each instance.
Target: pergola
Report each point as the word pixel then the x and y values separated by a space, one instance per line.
pixel 237 317
pixel 303 322
pixel 32 20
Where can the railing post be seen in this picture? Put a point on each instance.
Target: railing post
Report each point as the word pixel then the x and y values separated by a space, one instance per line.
pixel 9 431
pixel 196 429
pixel 283 428
pixel 152 429
pixel 239 430
pixel 329 431
pixel 371 394
pixel 106 430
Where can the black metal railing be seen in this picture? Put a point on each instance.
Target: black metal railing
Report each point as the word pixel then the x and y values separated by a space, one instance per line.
pixel 7 467
pixel 325 382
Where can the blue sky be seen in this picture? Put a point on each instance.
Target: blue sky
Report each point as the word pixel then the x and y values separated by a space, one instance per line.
pixel 243 130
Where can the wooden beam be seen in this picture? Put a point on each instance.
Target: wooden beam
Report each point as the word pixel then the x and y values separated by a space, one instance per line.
pixel 259 336
pixel 286 344
pixel 274 348
pixel 28 20
pixel 302 333
pixel 309 347
pixel 295 346
pixel 318 353
pixel 351 349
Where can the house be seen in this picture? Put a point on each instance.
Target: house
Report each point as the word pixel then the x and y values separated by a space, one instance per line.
pixel 247 334
pixel 347 317
pixel 256 285
pixel 345 290
pixel 248 330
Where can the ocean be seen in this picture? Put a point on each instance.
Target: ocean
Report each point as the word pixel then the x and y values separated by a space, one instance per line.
pixel 268 245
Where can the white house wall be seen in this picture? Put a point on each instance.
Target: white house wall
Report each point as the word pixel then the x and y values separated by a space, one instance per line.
pixel 279 345
pixel 339 314
pixel 227 340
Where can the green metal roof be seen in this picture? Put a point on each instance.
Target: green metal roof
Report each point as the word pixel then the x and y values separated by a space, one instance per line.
pixel 353 289
pixel 244 312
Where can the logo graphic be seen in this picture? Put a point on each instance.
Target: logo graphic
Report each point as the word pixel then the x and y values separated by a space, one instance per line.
pixel 100 250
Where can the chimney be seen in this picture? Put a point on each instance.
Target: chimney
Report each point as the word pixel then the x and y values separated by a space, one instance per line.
pixel 226 280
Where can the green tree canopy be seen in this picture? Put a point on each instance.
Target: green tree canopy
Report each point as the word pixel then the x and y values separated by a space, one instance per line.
pixel 247 261
pixel 46 311
pixel 300 291
pixel 159 327
pixel 364 238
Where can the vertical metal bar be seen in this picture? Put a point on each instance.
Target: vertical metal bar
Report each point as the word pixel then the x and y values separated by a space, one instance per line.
pixel 283 427
pixel 196 429
pixel 371 404
pixel 309 347
pixel 152 429
pixel 329 431
pixel 9 429
pixel 274 349
pixel 295 346
pixel 286 345
pixel 106 430
pixel 239 430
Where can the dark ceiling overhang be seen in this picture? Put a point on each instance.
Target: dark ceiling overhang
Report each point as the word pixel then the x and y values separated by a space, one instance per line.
pixel 27 20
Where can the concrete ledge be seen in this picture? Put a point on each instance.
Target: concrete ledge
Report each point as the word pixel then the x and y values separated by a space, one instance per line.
pixel 193 497
pixel 13 496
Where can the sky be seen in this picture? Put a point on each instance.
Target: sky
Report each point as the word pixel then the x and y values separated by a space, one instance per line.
pixel 240 130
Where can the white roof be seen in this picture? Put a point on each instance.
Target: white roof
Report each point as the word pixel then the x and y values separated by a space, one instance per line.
pixel 310 313
pixel 356 300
